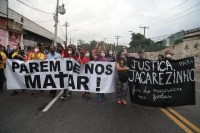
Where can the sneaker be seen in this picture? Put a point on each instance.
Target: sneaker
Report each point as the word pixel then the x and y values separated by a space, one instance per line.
pixel 119 102
pixel 83 95
pixel 63 97
pixel 99 100
pixel 14 93
pixel 70 93
pixel 123 102
pixel 34 94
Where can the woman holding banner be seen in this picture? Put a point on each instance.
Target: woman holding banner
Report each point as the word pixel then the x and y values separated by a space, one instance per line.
pixel 86 58
pixel 36 55
pixel 101 58
pixel 122 77
pixel 17 55
pixel 69 53
pixel 111 56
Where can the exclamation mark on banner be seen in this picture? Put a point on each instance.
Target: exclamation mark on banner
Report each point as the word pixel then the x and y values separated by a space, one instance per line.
pixel 98 84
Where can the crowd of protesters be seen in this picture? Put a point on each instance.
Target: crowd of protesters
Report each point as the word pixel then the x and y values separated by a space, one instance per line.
pixel 82 56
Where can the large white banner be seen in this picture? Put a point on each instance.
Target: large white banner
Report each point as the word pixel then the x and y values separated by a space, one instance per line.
pixel 96 77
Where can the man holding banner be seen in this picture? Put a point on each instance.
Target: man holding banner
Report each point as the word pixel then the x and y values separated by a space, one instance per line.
pixel 53 55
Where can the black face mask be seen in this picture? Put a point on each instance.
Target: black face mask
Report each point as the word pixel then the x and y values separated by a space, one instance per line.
pixel 60 51
pixel 52 51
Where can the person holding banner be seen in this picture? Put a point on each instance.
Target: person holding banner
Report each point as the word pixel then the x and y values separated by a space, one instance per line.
pixel 86 58
pixel 141 54
pixel 36 55
pixel 60 50
pixel 122 77
pixel 17 54
pixel 69 53
pixel 101 58
pixel 53 55
pixel 168 54
pixel 111 56
pixel 2 62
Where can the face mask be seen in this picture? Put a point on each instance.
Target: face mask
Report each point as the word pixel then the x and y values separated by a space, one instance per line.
pixel 122 56
pixel 14 47
pixel 168 56
pixel 125 52
pixel 87 54
pixel 36 50
pixel 141 56
pixel 52 51
pixel 110 52
pixel 102 54
pixel 69 52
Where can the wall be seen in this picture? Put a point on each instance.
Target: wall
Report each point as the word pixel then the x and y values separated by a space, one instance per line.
pixel 181 50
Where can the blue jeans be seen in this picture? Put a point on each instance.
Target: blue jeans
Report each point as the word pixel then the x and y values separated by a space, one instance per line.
pixel 100 96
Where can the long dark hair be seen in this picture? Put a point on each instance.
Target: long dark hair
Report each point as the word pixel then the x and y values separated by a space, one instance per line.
pixel 73 51
pixel 119 58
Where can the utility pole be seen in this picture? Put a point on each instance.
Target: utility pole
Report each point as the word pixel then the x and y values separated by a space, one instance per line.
pixel 66 24
pixel 70 41
pixel 61 10
pixel 56 23
pixel 144 29
pixel 117 37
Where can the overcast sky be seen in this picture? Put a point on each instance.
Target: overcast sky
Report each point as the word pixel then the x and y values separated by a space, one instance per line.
pixel 98 19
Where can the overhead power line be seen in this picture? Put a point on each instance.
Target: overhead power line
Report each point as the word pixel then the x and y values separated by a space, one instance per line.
pixel 180 17
pixel 175 14
pixel 33 7
pixel 169 10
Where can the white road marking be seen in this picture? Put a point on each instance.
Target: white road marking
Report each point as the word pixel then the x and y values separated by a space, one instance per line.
pixel 52 102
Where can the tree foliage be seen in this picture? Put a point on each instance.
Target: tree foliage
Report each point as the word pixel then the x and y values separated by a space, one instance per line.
pixel 139 40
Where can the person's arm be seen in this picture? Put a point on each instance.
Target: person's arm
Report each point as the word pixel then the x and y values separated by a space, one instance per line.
pixel 4 58
pixel 118 68
pixel 20 56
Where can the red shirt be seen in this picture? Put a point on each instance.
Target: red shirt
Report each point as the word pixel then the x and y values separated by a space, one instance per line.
pixel 66 55
pixel 85 60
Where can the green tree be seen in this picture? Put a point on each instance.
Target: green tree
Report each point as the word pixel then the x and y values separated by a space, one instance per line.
pixel 139 42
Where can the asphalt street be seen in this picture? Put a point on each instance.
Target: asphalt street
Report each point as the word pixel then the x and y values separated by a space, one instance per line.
pixel 23 114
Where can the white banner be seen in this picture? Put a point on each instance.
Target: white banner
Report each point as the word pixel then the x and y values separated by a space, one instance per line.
pixel 96 77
